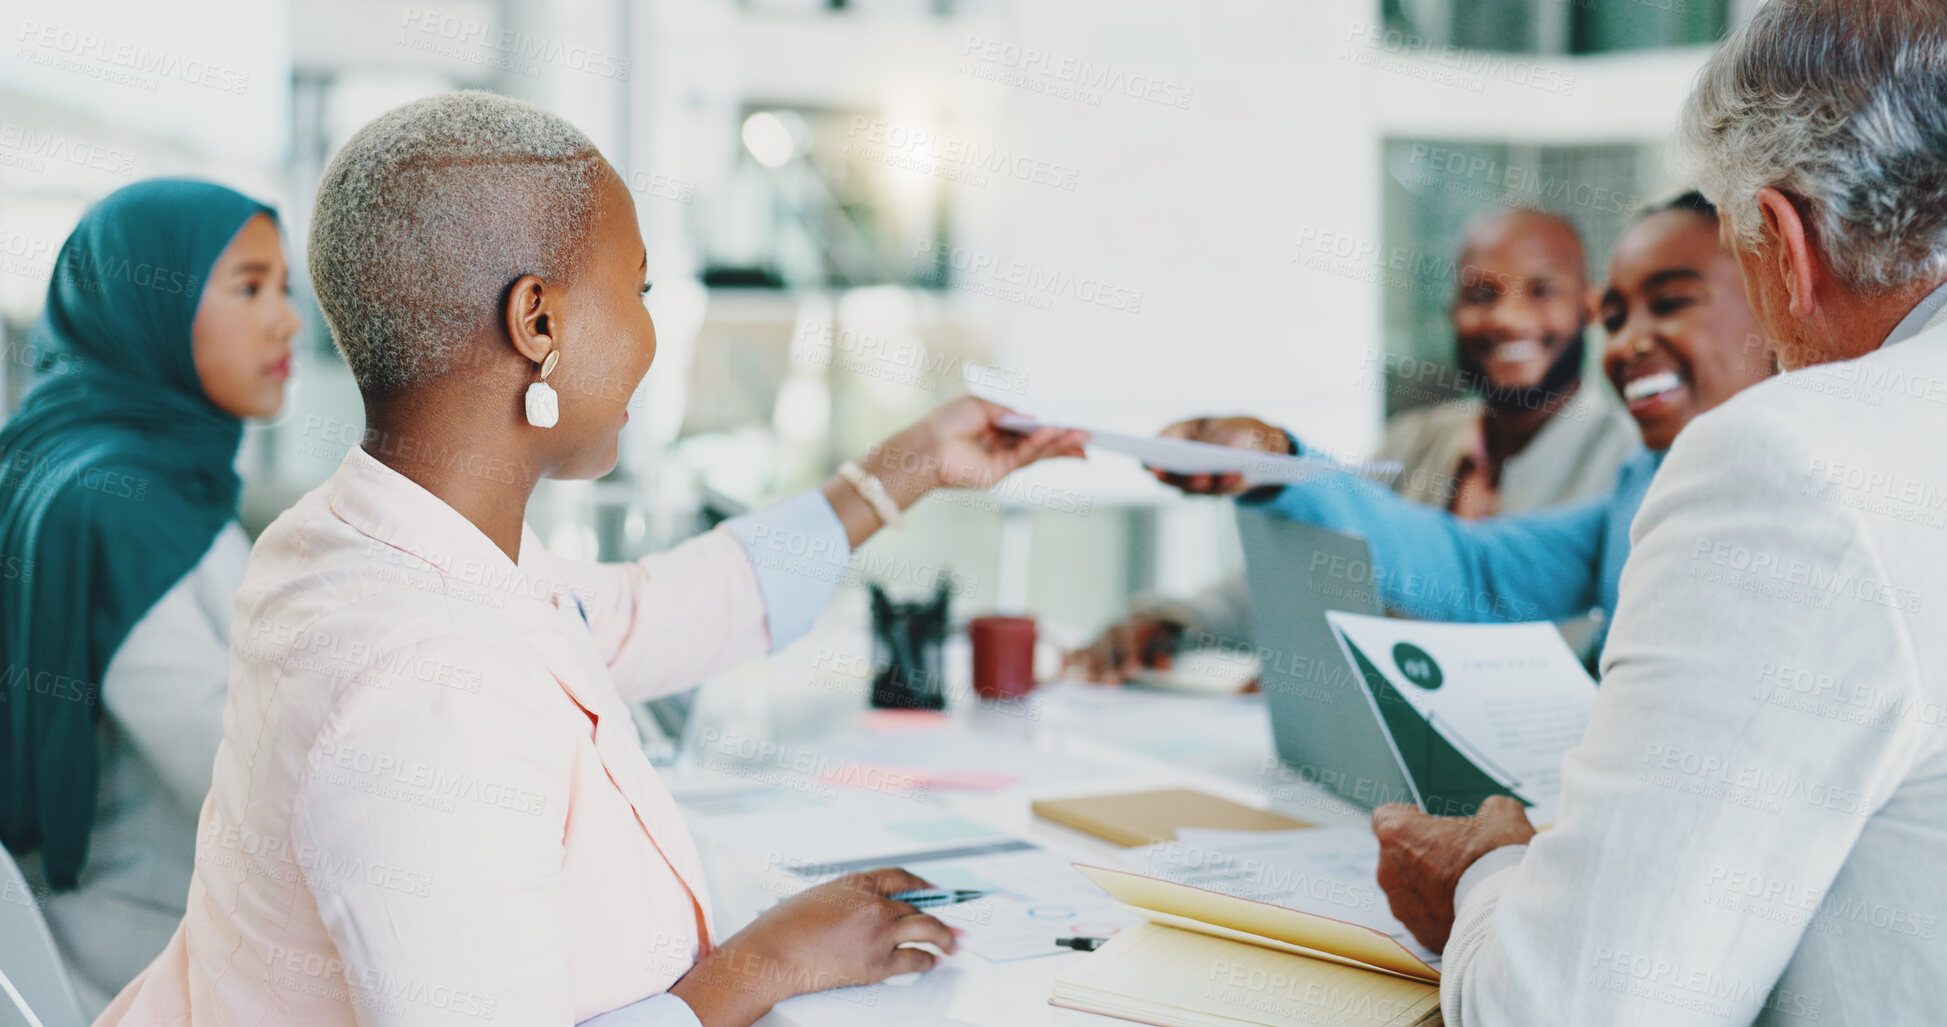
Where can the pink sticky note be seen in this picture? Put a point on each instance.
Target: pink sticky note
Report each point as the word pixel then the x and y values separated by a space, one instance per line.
pixel 903 720
pixel 881 777
pixel 972 780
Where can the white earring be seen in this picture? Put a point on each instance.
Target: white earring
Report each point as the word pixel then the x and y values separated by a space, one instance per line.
pixel 543 408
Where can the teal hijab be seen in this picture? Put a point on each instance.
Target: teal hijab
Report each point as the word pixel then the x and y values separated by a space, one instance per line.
pixel 115 476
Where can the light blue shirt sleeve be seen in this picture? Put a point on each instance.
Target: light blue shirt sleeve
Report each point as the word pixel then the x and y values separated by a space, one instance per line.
pixel 664 1010
pixel 799 551
pixel 1429 564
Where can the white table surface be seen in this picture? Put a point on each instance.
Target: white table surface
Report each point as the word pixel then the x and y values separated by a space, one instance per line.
pixel 806 703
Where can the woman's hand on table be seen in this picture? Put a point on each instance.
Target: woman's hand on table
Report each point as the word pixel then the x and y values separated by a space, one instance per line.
pixel 840 933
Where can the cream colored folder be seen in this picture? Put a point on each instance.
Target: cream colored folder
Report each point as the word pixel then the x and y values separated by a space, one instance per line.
pixel 1139 818
pixel 1209 960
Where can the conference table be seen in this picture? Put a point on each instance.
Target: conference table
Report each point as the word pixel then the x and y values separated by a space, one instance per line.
pixel 784 766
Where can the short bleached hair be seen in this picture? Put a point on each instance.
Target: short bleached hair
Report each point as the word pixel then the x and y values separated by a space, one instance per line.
pixel 429 213
pixel 1843 105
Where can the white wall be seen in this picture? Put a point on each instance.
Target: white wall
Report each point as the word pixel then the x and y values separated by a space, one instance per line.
pixel 1247 134
pixel 1202 194
pixel 1201 209
pixel 216 77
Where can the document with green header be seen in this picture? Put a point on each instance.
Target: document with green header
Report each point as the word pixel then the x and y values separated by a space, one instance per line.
pixel 1471 710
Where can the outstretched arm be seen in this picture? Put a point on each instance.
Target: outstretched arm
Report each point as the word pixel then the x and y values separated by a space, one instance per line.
pixel 1427 563
pixel 758 582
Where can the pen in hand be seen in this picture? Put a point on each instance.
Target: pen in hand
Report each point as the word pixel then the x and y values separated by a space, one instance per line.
pixel 927 898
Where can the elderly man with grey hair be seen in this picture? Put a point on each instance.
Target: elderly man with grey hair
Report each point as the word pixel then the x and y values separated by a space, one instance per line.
pixel 1751 829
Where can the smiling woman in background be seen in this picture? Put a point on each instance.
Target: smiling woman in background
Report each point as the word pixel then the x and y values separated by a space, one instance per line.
pixel 1682 339
pixel 168 317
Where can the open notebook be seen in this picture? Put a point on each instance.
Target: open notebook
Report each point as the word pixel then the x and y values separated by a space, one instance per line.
pixel 1204 959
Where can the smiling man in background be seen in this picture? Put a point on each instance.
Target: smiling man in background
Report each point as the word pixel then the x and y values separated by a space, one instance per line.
pixel 1531 435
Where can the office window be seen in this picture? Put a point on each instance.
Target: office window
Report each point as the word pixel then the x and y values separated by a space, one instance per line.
pixel 826 198
pixel 1561 26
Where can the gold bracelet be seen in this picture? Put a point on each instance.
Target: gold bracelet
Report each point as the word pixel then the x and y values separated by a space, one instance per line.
pixel 873 491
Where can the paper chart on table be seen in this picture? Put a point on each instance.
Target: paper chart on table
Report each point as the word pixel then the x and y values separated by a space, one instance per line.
pixel 1038 897
pixel 795 839
pixel 1325 871
pixel 1472 710
pixel 1180 456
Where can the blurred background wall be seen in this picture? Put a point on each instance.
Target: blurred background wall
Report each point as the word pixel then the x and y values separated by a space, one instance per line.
pixel 1122 213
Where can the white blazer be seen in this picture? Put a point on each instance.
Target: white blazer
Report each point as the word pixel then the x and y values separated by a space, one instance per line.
pixel 1754 828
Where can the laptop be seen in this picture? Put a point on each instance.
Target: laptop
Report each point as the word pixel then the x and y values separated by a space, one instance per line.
pixel 1324 728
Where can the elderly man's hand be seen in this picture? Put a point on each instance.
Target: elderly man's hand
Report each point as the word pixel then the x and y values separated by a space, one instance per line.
pixel 1421 858
pixel 1235 432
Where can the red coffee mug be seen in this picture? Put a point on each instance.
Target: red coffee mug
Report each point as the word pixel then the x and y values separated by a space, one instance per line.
pixel 1003 656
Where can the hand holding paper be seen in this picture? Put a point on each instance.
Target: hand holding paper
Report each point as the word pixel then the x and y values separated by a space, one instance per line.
pixel 1471 710
pixel 1243 433
pixel 1205 462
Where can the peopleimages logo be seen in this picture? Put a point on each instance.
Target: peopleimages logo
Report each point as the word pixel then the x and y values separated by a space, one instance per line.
pixel 923 150
pixel 1465 174
pixel 1735 564
pixel 1419 57
pixel 1019 280
pixel 428 30
pixel 23 147
pixel 89 54
pixel 1070 78
pixel 903 359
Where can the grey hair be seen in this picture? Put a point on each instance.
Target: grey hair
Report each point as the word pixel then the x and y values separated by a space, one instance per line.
pixel 429 213
pixel 1839 104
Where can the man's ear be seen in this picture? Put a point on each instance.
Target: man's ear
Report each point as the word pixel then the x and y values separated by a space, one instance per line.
pixel 530 318
pixel 1794 262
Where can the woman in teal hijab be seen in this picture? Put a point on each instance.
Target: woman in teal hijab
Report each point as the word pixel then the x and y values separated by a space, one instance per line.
pixel 166 324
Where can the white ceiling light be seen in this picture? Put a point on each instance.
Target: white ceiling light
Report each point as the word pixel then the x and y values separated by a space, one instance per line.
pixel 769 140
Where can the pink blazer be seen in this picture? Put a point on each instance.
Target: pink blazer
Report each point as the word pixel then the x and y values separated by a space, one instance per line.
pixel 430 804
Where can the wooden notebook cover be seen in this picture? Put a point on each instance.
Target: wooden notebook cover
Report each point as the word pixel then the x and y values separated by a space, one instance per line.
pixel 1140 818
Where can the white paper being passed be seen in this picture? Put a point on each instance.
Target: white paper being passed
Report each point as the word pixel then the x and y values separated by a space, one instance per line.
pixel 1180 456
pixel 1511 698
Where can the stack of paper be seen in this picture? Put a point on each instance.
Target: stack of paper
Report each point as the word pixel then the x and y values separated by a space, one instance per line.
pixel 1206 959
pixel 1327 871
